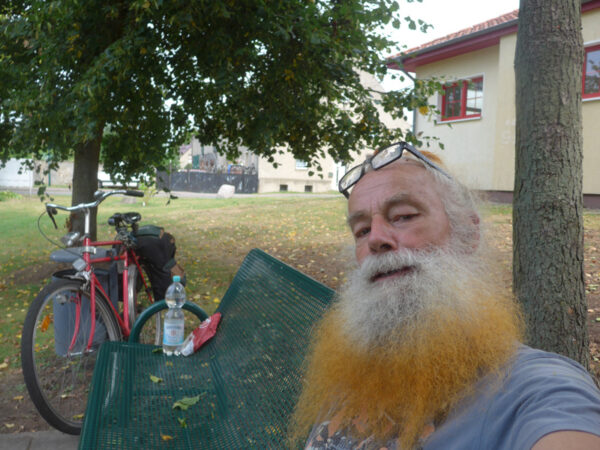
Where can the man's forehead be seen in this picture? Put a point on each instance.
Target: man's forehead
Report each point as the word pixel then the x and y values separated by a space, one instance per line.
pixel 395 173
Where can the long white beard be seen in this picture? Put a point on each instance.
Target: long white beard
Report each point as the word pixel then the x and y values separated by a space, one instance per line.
pixel 438 281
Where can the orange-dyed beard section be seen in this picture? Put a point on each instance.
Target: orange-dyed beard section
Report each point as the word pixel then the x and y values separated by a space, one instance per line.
pixel 398 388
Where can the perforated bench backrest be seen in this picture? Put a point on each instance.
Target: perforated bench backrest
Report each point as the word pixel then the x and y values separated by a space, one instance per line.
pixel 248 376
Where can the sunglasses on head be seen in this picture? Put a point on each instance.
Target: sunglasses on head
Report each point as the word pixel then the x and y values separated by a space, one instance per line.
pixel 382 158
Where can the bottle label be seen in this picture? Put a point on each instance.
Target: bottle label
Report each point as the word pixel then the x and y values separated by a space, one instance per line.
pixel 173 334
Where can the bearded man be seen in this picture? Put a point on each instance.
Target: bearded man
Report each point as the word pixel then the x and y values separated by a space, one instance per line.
pixel 422 347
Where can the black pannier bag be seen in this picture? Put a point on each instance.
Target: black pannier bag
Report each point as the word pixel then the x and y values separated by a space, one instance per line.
pixel 156 250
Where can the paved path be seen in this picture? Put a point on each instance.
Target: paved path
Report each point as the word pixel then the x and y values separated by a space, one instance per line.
pixel 185 194
pixel 40 440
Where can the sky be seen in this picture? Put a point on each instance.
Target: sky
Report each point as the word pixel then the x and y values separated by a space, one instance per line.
pixel 446 16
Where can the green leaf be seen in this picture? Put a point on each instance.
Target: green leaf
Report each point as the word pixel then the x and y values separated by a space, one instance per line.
pixel 155 379
pixel 185 402
pixel 157 350
pixel 182 422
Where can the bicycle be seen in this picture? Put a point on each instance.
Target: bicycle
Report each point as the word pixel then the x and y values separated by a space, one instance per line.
pixel 71 317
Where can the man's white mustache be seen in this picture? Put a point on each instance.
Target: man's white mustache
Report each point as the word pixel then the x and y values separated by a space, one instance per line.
pixel 374 267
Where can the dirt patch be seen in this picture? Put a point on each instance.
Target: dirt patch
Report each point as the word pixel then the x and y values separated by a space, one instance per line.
pixel 37 274
pixel 16 409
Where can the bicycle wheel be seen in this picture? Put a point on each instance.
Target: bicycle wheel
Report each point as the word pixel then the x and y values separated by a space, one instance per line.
pixel 139 300
pixel 152 330
pixel 56 365
pixel 193 316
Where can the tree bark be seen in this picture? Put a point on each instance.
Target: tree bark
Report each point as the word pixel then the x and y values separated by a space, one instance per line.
pixel 85 182
pixel 548 204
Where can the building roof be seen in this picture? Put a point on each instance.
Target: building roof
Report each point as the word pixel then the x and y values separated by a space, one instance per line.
pixel 503 19
pixel 478 36
pixel 469 39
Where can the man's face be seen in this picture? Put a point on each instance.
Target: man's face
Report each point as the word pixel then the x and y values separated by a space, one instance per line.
pixel 396 207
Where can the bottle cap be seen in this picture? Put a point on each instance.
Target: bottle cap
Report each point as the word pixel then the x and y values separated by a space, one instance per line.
pixel 176 279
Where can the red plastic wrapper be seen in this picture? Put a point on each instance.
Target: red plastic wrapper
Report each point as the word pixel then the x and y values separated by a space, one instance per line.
pixel 197 338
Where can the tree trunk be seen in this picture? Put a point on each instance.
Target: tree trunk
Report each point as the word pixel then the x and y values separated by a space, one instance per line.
pixel 85 182
pixel 548 204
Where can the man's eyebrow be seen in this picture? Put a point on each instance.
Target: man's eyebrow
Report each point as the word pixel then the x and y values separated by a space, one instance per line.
pixel 392 201
pixel 355 217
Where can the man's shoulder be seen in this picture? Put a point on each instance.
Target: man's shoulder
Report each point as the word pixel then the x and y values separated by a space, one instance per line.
pixel 529 365
pixel 538 393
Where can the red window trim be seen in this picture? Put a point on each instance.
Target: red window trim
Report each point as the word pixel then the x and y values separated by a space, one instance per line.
pixel 583 94
pixel 463 100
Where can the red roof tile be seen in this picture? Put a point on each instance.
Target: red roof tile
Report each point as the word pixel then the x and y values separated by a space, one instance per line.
pixel 508 17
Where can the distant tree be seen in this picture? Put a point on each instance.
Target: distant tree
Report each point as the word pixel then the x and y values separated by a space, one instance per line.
pixel 548 202
pixel 136 78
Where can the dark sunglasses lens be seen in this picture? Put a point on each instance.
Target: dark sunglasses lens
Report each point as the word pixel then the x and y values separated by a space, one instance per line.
pixel 386 155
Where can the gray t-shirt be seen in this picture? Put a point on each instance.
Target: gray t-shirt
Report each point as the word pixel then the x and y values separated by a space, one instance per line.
pixel 541 393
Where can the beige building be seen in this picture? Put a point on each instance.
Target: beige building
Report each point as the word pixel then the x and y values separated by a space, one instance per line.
pixel 477 66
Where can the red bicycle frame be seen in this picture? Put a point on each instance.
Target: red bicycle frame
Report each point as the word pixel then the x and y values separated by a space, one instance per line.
pixel 88 249
pixel 126 256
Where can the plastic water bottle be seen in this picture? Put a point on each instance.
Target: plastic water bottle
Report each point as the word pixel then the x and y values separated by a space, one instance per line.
pixel 174 321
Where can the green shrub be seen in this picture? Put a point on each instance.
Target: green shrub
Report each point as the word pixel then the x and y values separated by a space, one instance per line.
pixel 8 195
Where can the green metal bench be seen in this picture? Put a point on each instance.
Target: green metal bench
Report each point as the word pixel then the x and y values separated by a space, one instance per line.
pixel 248 376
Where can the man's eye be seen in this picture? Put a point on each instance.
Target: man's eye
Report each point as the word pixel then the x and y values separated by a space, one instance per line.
pixel 403 217
pixel 360 232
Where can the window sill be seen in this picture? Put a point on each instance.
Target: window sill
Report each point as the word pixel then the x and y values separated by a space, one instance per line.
pixel 590 99
pixel 466 119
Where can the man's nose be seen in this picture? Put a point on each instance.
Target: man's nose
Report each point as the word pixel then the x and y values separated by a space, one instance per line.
pixel 381 236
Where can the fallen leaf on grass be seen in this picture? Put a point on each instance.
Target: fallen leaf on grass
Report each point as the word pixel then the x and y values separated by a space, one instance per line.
pixel 185 402
pixel 169 364
pixel 18 398
pixel 157 350
pixel 155 379
pixel 3 365
pixel 9 425
pixel 45 323
pixel 182 422
pixel 166 437
pixel 78 416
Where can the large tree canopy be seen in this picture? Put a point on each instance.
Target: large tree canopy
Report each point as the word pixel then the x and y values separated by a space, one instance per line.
pixel 253 73
pixel 136 78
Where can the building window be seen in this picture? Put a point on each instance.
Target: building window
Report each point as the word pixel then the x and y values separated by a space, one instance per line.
pixel 591 72
pixel 462 99
pixel 283 188
pixel 301 164
pixel 307 188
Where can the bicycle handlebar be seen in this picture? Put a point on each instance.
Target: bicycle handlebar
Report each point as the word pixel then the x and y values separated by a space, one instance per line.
pixel 100 196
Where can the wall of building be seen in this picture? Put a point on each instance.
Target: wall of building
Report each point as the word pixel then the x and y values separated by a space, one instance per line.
pixel 10 176
pixel 591 114
pixel 482 152
pixel 503 178
pixel 469 144
pixel 294 178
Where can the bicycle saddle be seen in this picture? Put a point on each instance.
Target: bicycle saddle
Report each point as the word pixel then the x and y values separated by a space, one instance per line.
pixel 129 218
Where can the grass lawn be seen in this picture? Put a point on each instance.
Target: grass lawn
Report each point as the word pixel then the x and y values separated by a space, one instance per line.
pixel 213 236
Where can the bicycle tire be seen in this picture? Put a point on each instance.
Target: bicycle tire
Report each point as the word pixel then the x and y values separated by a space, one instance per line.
pixel 151 330
pixel 56 367
pixel 138 302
